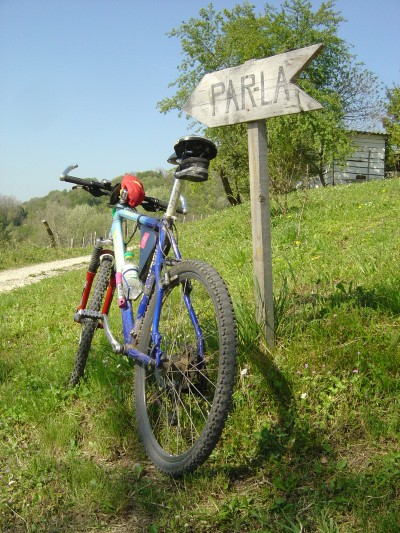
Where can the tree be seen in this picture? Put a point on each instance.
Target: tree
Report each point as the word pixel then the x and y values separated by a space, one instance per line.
pixel 392 124
pixel 231 164
pixel 11 214
pixel 307 142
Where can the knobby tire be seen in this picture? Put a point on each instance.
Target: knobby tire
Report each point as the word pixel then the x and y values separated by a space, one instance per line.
pixel 89 326
pixel 181 408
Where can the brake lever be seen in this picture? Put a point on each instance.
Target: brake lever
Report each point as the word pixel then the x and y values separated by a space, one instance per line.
pixel 94 192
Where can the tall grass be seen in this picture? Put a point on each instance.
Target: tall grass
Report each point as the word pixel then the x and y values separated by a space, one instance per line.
pixel 313 441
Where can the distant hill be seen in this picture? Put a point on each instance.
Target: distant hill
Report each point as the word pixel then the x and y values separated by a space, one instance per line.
pixel 73 213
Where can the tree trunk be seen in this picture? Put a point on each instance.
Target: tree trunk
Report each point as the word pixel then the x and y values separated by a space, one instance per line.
pixel 228 189
pixel 321 168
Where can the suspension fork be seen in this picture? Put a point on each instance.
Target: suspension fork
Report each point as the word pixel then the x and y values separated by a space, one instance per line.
pixel 109 294
pixel 94 263
pixel 90 275
pixel 126 311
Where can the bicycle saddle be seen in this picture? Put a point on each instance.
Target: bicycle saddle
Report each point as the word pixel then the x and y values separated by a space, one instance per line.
pixel 192 155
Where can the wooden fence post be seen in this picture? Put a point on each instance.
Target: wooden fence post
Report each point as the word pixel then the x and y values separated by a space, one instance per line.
pixel 50 234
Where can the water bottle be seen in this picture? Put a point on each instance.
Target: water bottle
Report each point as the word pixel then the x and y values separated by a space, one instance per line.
pixel 132 284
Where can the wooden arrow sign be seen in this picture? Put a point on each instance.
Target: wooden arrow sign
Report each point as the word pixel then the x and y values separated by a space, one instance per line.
pixel 255 90
pixel 252 92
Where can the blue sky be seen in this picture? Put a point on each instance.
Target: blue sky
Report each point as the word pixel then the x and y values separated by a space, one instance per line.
pixel 80 81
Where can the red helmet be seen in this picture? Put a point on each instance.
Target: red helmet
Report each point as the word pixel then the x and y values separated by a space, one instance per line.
pixel 135 189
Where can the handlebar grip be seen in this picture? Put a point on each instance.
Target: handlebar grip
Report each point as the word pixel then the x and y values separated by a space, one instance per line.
pixel 95 188
pixel 77 181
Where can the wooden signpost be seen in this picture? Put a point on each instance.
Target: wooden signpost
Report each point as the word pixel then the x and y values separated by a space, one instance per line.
pixel 252 92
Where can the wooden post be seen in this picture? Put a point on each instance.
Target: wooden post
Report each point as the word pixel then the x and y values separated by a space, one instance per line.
pixel 50 234
pixel 261 227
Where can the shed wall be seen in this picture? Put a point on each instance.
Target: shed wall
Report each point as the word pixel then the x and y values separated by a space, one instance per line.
pixel 366 163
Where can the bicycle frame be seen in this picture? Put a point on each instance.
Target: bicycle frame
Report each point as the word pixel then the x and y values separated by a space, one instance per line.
pixel 154 282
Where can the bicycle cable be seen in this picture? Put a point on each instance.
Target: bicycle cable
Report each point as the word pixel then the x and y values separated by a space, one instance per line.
pixel 135 228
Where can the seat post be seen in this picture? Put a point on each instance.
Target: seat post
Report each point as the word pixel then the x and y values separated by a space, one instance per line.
pixel 174 198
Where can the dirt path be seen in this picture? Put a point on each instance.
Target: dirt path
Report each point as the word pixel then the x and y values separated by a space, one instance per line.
pixel 19 277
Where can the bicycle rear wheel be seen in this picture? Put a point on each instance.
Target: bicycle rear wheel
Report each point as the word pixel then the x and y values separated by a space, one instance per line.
pixel 182 407
pixel 89 326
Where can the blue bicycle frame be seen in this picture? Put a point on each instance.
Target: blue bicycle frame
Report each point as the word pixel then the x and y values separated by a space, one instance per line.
pixel 154 281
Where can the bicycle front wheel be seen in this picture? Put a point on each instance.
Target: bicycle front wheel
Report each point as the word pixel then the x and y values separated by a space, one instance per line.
pixel 181 408
pixel 89 326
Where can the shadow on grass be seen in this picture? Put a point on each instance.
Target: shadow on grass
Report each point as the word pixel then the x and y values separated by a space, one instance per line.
pixel 308 467
pixel 312 479
pixel 295 309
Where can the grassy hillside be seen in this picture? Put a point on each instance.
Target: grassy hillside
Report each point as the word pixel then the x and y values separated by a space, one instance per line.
pixel 313 441
pixel 74 214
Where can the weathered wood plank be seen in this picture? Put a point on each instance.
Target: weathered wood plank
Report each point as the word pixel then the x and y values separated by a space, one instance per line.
pixel 254 90
pixel 261 228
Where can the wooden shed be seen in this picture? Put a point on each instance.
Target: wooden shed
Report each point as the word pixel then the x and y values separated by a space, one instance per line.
pixel 365 164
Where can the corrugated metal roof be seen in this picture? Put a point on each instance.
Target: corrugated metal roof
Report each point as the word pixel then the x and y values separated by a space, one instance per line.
pixel 380 133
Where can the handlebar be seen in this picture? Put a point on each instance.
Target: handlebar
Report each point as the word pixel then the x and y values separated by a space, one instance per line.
pixel 97 188
pixel 105 188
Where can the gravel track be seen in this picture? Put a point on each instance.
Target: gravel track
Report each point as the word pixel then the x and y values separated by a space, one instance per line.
pixel 20 277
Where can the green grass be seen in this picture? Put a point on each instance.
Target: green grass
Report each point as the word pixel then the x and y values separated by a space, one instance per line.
pixel 313 441
pixel 14 255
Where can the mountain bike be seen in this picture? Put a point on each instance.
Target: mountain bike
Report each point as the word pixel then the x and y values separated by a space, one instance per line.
pixel 183 338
